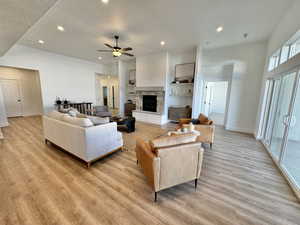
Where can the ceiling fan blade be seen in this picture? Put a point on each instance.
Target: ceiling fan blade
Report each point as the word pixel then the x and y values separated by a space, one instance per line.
pixel 104 50
pixel 127 54
pixel 108 45
pixel 126 49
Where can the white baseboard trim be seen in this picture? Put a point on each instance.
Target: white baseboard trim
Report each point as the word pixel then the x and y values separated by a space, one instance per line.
pixel 239 129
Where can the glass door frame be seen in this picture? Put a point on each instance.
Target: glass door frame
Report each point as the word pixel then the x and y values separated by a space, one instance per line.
pixel 287 124
pixel 287 128
pixel 290 111
pixel 269 96
pixel 278 78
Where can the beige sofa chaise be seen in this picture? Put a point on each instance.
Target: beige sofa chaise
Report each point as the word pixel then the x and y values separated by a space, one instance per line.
pixel 80 137
pixel 169 161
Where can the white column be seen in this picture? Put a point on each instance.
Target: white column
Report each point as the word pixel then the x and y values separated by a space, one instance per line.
pixel 3 117
pixel 122 73
pixel 198 85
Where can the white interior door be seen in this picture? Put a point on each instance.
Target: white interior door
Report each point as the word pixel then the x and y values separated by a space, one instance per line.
pixel 208 95
pixel 12 98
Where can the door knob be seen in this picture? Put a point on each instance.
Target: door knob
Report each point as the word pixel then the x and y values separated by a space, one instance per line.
pixel 19 100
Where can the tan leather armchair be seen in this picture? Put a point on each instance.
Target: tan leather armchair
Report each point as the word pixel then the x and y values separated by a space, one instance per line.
pixel 205 127
pixel 170 161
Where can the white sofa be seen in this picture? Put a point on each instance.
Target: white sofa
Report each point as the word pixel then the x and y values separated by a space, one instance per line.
pixel 87 143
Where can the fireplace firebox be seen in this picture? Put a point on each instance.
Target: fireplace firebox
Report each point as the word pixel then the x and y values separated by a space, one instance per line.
pixel 150 103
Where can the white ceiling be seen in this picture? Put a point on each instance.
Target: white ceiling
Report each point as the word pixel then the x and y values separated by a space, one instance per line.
pixel 142 24
pixel 16 17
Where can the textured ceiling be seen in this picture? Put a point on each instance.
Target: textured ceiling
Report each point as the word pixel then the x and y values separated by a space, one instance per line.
pixel 17 16
pixel 142 24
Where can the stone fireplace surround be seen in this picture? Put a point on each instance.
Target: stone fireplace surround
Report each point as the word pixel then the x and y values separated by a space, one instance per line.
pixel 155 91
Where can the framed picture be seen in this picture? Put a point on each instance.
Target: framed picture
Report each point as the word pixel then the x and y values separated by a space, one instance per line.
pixel 184 71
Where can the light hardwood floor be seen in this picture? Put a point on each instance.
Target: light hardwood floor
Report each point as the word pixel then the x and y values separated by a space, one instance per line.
pixel 40 184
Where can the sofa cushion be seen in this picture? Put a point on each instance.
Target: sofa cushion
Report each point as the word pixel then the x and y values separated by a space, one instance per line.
pixel 82 122
pixel 56 115
pixel 172 140
pixel 98 120
pixel 73 112
pixel 64 110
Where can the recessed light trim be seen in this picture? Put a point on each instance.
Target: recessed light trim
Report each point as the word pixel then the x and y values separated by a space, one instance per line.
pixel 41 41
pixel 105 1
pixel 162 43
pixel 220 29
pixel 60 28
pixel 99 57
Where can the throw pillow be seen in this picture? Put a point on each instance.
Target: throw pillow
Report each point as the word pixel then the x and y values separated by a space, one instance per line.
pixel 195 121
pixel 98 120
pixel 82 122
pixel 81 115
pixel 202 118
pixel 63 110
pixel 73 113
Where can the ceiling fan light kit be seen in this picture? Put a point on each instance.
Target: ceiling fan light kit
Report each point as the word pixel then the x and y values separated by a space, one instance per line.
pixel 116 53
pixel 116 50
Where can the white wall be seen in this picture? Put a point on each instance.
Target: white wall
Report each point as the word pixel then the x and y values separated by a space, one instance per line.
pixel 249 61
pixel 60 75
pixel 30 89
pixel 3 117
pixel 287 27
pixel 151 70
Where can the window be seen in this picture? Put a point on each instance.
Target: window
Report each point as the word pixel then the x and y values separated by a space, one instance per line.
pixel 289 50
pixel 274 60
pixel 284 53
pixel 295 48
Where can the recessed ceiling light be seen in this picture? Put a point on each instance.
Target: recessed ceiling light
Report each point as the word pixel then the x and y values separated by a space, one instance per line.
pixel 41 41
pixel 219 29
pixel 99 57
pixel 162 43
pixel 60 28
pixel 105 1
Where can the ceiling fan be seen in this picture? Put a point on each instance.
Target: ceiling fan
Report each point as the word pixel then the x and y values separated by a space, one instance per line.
pixel 116 50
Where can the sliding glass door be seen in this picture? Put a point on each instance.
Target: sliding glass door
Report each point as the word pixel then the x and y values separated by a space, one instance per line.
pixel 281 115
pixel 281 125
pixel 291 152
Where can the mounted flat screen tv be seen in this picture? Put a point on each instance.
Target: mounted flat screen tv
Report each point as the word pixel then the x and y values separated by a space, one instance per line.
pixel 184 71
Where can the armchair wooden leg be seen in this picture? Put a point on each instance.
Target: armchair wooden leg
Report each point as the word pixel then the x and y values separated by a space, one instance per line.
pixel 137 162
pixel 155 197
pixel 196 183
pixel 88 165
